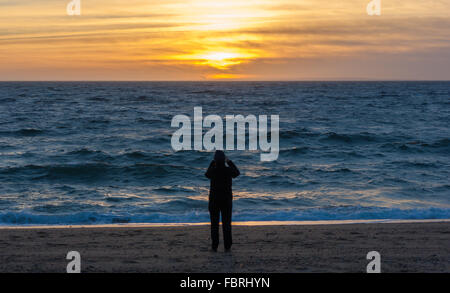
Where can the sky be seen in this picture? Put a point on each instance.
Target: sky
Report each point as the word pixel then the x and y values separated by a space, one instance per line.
pixel 224 40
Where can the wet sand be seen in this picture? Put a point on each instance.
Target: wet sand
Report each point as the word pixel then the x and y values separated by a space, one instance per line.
pixel 404 247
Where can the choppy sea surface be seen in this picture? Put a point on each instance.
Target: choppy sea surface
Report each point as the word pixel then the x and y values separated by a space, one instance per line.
pixel 100 152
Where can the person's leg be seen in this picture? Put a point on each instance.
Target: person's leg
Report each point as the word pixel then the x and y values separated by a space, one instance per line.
pixel 226 210
pixel 214 213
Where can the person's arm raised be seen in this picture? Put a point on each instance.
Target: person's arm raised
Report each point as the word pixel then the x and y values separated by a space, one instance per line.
pixel 234 170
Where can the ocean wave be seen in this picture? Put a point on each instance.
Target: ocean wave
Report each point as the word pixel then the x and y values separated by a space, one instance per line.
pixel 297 133
pixel 23 132
pixel 294 150
pixel 7 100
pixel 98 98
pixel 200 215
pixel 400 146
pixel 99 121
pixel 211 92
pixel 439 146
pixel 420 164
pixel 442 144
pixel 350 138
pixel 334 170
pixel 101 156
pixel 344 213
pixel 174 190
pixel 87 153
pixel 94 171
pixel 148 121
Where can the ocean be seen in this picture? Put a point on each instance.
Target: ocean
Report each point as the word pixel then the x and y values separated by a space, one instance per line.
pixel 100 152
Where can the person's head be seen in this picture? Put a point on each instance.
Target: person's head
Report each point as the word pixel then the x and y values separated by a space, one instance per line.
pixel 219 157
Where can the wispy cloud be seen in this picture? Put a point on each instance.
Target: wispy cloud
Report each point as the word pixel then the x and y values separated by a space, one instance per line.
pixel 197 39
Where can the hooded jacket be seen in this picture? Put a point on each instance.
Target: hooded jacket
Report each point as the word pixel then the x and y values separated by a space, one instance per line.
pixel 221 180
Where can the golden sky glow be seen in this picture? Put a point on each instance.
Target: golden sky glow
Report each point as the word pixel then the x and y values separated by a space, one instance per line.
pixel 203 40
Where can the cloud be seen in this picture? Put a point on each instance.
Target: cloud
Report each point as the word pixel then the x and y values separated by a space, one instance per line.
pixel 262 34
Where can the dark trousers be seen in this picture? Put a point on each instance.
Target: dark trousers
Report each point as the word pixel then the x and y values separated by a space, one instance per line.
pixel 215 210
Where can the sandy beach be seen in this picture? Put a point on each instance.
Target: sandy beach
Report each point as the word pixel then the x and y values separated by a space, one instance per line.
pixel 404 247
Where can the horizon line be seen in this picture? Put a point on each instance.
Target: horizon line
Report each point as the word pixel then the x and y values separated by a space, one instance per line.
pixel 232 80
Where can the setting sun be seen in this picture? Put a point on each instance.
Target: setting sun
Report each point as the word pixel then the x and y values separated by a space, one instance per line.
pixel 221 60
pixel 217 60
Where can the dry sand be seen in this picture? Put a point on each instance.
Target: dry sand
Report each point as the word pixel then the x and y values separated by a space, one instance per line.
pixel 404 247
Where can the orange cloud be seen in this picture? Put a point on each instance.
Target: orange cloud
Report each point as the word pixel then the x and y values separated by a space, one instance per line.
pixel 194 39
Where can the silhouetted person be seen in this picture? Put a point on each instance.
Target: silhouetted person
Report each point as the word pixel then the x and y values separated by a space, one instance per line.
pixel 221 197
